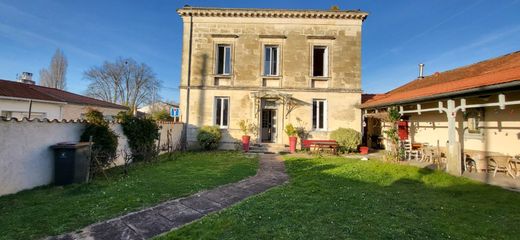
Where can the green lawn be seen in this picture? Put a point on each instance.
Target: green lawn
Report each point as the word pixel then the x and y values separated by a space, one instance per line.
pixel 338 198
pixel 54 210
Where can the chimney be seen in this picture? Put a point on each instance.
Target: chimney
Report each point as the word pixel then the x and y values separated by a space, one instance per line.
pixel 26 77
pixel 421 70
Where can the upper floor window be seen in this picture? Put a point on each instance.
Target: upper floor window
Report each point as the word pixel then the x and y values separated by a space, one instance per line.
pixel 271 60
pixel 222 111
pixel 223 59
pixel 319 114
pixel 320 63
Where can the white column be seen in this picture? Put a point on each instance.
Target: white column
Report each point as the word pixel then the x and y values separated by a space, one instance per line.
pixel 453 165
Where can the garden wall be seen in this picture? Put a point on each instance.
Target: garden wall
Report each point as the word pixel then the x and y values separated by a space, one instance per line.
pixel 170 135
pixel 26 161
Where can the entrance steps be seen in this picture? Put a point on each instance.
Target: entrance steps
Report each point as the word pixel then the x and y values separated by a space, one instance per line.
pixel 267 148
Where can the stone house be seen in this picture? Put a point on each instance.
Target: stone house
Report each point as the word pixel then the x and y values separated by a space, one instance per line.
pixel 468 112
pixel 24 99
pixel 270 67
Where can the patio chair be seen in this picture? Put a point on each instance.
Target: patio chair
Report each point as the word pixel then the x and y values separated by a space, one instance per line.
pixel 409 152
pixel 427 154
pixel 502 164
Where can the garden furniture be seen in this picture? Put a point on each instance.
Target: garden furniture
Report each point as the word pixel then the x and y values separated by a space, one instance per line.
pixel 502 164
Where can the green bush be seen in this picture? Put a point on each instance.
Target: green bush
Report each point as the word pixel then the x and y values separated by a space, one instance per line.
pixel 105 140
pixel 209 137
pixel 347 138
pixel 141 134
pixel 162 115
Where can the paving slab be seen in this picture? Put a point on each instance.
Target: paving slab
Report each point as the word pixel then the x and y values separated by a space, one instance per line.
pixel 201 204
pixel 176 213
pixel 148 223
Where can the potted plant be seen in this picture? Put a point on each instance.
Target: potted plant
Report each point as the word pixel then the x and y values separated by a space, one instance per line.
pixel 246 127
pixel 363 150
pixel 291 131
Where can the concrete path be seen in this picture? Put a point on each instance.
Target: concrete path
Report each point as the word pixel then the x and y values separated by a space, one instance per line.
pixel 176 213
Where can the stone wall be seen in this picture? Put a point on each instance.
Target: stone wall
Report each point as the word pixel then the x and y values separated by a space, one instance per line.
pixel 296 48
pixel 295 37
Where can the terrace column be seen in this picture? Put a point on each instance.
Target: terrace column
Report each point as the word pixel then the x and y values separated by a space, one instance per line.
pixel 453 165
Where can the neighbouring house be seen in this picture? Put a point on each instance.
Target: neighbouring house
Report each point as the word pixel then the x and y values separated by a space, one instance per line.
pixel 469 112
pixel 271 67
pixel 24 99
pixel 158 106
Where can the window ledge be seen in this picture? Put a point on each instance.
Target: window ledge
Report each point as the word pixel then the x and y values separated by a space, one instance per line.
pixel 320 78
pixel 222 76
pixel 319 130
pixel 271 77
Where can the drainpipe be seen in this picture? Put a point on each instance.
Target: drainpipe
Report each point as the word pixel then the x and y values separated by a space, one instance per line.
pixel 30 108
pixel 185 132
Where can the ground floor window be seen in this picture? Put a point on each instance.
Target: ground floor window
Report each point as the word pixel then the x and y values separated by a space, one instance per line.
pixel 319 114
pixel 222 111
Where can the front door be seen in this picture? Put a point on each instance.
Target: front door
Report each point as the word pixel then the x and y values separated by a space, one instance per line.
pixel 268 125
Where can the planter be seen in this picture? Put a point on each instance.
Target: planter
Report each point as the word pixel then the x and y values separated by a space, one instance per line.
pixel 245 142
pixel 292 144
pixel 363 150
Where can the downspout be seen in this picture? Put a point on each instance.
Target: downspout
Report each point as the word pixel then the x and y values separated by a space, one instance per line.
pixel 30 108
pixel 188 86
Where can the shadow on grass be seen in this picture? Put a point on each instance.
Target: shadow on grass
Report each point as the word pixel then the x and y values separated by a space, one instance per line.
pixel 337 198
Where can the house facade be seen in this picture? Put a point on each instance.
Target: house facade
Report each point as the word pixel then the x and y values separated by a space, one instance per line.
pixel 468 112
pixel 24 99
pixel 271 68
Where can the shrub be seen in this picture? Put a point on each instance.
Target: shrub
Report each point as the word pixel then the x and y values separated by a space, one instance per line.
pixel 347 138
pixel 246 127
pixel 141 134
pixel 209 137
pixel 290 130
pixel 163 115
pixel 105 140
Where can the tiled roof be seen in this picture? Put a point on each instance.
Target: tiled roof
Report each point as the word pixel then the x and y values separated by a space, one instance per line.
pixel 504 69
pixel 369 96
pixel 35 92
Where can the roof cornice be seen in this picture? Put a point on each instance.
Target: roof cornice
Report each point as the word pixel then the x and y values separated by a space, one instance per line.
pixel 271 13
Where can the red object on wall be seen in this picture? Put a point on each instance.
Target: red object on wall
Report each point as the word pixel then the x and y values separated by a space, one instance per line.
pixel 402 130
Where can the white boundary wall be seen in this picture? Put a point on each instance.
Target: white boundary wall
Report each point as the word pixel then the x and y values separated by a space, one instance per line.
pixel 26 159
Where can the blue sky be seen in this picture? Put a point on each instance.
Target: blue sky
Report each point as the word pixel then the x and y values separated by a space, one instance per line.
pixel 397 35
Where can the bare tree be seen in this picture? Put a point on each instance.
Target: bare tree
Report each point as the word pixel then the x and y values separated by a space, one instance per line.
pixel 55 75
pixel 124 82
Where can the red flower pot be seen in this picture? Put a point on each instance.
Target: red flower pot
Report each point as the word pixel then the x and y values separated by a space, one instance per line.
pixel 363 150
pixel 292 144
pixel 245 142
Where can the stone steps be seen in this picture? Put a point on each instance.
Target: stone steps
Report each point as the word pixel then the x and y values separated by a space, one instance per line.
pixel 267 148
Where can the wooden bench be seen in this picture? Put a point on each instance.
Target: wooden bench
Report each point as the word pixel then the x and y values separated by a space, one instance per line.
pixel 321 145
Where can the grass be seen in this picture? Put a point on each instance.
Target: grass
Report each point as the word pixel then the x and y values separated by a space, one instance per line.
pixel 338 198
pixel 51 210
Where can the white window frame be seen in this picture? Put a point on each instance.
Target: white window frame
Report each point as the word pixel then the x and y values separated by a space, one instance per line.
pixel 325 114
pixel 221 124
pixel 270 73
pixel 325 60
pixel 224 65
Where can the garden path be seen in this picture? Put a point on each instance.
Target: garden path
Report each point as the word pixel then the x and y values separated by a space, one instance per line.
pixel 176 213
